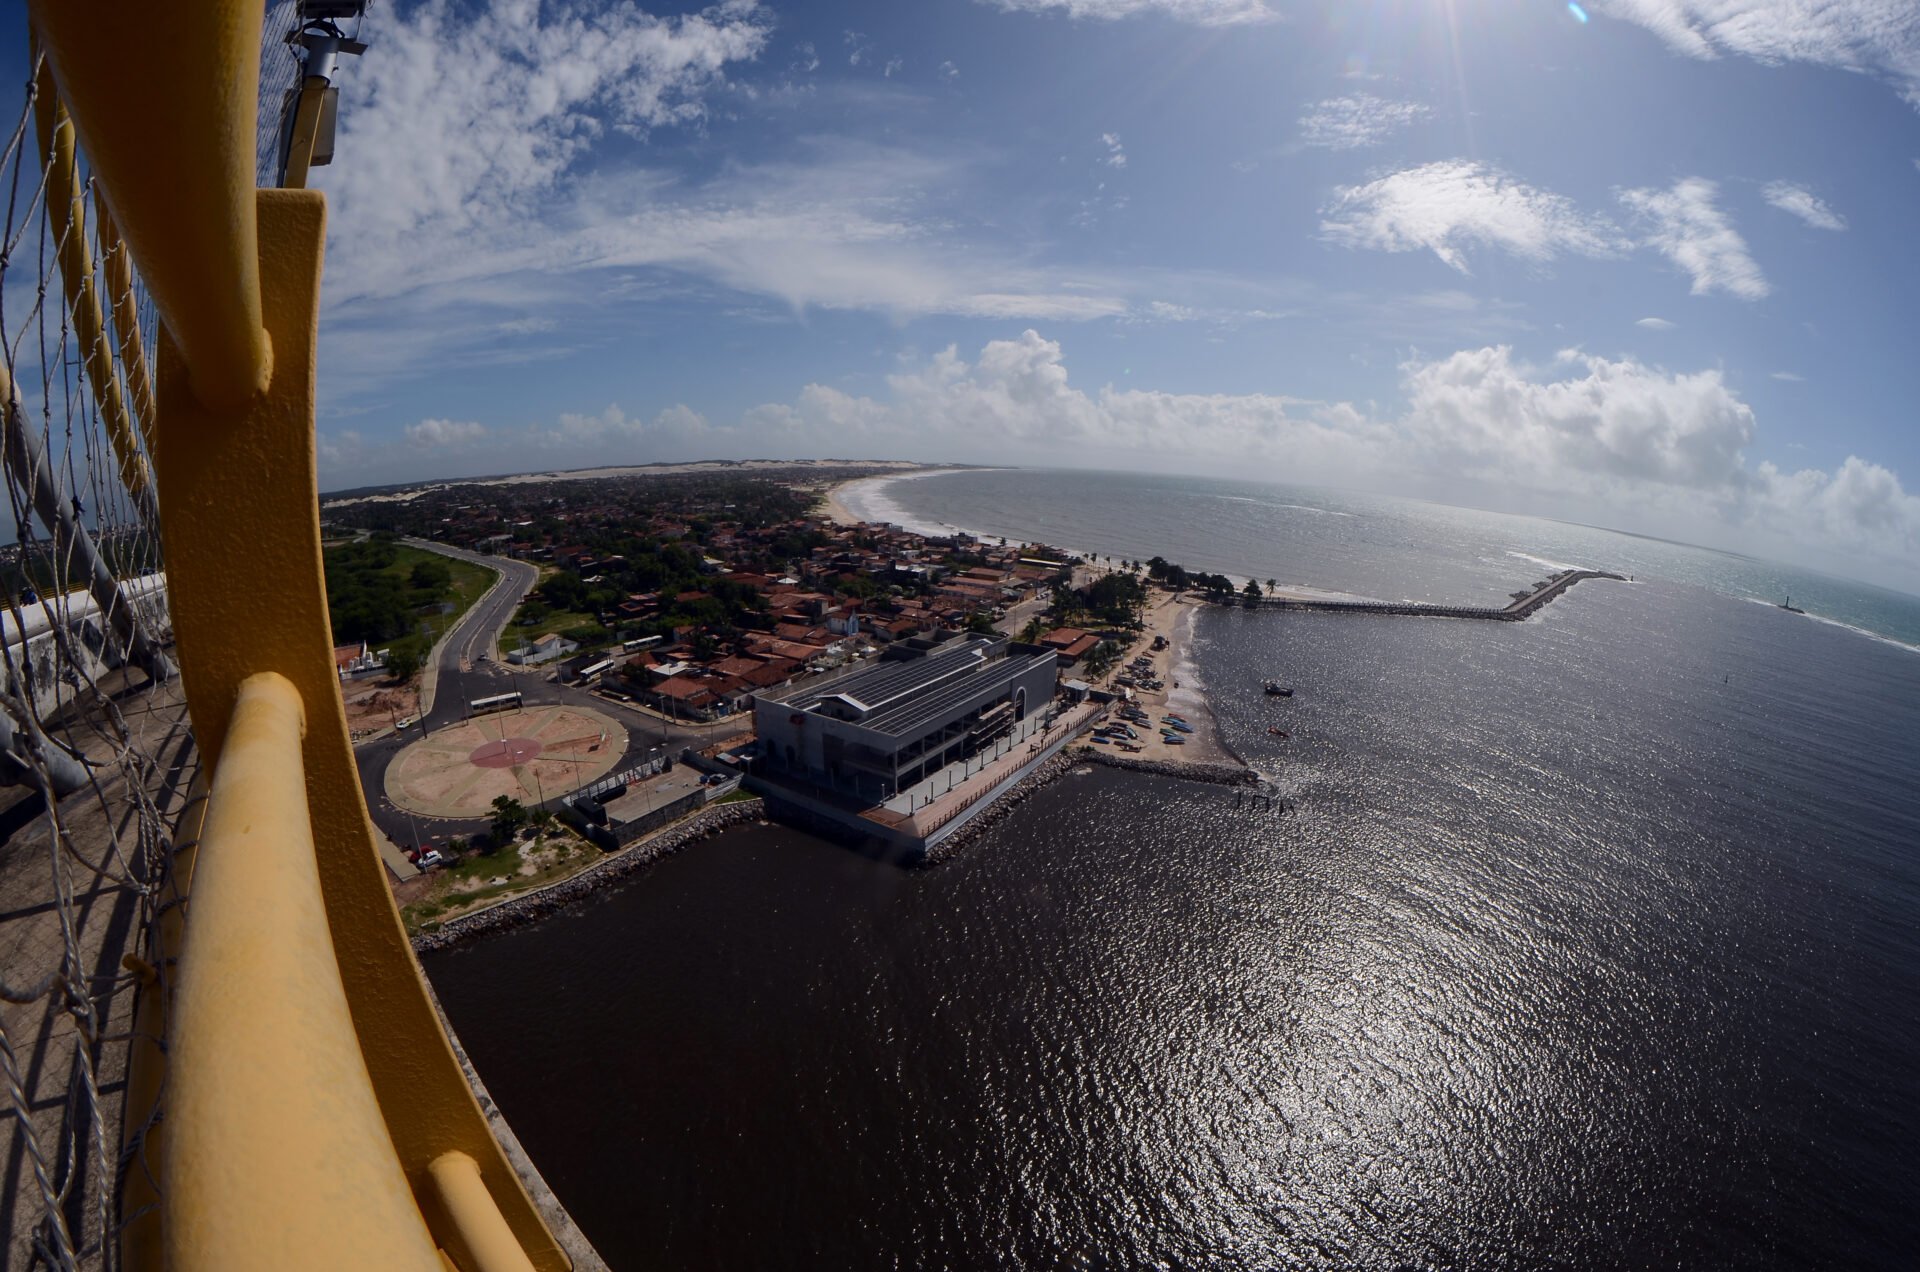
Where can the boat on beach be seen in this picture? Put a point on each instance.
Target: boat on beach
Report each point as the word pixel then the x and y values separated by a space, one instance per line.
pixel 1277 690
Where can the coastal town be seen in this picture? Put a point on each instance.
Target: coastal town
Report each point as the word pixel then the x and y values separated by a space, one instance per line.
pixel 719 635
pixel 552 675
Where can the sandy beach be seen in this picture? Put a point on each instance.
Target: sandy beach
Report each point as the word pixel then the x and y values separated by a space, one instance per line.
pixel 837 511
pixel 1172 615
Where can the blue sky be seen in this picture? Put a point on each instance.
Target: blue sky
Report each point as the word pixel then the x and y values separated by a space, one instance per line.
pixel 1650 269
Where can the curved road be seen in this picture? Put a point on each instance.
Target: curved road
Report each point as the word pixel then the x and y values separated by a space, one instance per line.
pixel 463 674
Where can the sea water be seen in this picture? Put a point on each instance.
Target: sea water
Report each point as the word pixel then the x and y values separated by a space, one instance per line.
pixel 1591 944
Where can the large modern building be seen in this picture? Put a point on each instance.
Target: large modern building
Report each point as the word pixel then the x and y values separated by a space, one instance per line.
pixel 875 731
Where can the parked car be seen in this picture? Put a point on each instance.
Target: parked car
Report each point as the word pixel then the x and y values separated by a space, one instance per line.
pixel 430 858
pixel 405 722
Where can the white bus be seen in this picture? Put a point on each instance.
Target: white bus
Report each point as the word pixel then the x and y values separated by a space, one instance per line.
pixel 498 702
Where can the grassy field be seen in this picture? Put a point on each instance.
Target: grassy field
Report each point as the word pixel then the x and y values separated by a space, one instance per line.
pixel 555 622
pixel 470 583
pixel 470 882
pixel 467 582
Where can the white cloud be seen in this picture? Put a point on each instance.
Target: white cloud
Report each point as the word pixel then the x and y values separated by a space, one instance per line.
pixel 1804 204
pixel 1654 324
pixel 949 72
pixel 1449 206
pixel 894 64
pixel 1788 377
pixel 858 47
pixel 1201 12
pixel 1688 227
pixel 343 449
pixel 1861 506
pixel 467 120
pixel 1482 414
pixel 1876 37
pixel 1361 119
pixel 444 434
pixel 1622 435
pixel 677 423
pixel 1116 153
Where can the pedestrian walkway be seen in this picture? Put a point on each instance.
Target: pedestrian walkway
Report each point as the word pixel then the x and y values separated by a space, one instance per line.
pixel 932 803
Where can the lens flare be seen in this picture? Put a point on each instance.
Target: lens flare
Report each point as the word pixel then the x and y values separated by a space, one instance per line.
pixel 1577 11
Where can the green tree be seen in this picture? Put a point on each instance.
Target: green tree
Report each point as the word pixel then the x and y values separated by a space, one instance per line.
pixel 1033 630
pixel 404 662
pixel 430 576
pixel 509 815
pixel 1099 659
pixel 1252 592
pixel 979 621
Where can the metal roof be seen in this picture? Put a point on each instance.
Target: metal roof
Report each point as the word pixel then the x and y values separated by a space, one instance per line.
pixel 896 698
pixel 871 688
pixel 912 715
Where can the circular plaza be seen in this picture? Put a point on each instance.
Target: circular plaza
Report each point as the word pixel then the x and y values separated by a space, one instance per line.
pixel 531 754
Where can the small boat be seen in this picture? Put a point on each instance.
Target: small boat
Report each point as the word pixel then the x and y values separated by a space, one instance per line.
pixel 1173 739
pixel 1277 690
pixel 1277 731
pixel 1181 725
pixel 1102 739
pixel 1129 746
pixel 1790 607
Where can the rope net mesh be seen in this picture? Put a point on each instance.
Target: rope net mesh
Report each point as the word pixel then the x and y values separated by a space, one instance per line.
pixel 97 759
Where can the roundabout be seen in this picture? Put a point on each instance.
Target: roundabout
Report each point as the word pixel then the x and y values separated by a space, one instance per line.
pixel 533 754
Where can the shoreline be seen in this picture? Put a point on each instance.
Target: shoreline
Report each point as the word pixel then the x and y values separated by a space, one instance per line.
pixel 542 903
pixel 838 513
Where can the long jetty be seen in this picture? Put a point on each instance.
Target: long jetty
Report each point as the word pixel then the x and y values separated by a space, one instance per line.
pixel 1523 605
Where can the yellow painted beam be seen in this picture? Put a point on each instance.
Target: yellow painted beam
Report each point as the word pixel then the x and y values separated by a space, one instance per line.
pixel 241 530
pixel 66 211
pixel 276 1154
pixel 166 103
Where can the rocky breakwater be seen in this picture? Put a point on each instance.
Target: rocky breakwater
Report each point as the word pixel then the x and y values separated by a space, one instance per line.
pixel 531 907
pixel 1061 764
pixel 1219 774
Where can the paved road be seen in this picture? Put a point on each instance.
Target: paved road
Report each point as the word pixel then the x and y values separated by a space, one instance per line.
pixel 464 675
pixel 472 642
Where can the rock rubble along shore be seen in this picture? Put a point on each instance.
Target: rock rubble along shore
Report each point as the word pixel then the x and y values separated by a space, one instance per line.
pixel 1063 763
pixel 1219 774
pixel 534 906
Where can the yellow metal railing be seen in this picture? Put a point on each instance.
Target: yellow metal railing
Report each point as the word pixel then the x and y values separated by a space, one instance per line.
pixel 314 1113
pixel 276 1121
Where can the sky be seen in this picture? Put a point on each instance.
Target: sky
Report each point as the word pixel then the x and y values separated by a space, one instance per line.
pixel 1645 264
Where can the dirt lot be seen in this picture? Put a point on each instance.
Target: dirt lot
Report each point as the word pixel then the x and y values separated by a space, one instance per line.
pixel 373 705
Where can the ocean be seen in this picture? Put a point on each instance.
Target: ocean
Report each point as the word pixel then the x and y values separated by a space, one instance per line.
pixel 1592 944
pixel 1345 544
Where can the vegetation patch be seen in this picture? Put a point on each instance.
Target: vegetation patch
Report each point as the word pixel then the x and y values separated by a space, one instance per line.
pixel 398 598
pixel 480 877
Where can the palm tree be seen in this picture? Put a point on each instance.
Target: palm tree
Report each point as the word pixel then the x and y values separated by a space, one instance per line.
pixel 1272 587
pixel 1032 631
